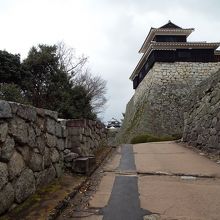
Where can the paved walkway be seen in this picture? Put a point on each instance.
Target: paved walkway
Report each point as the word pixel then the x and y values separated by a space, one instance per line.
pixel 157 181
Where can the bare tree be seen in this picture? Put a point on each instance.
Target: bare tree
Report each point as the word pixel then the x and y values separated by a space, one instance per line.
pixel 68 60
pixel 76 67
pixel 96 88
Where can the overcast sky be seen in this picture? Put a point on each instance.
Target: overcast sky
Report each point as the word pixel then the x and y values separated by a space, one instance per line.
pixel 110 32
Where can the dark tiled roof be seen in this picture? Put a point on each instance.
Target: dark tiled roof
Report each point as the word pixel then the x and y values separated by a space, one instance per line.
pixel 170 25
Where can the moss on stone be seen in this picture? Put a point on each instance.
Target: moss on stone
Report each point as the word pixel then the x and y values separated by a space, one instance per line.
pixel 33 201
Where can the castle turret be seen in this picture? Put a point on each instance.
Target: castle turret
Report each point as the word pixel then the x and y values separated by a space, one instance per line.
pixel 169 44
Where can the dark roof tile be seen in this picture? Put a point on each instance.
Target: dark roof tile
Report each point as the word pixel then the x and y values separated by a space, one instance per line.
pixel 170 25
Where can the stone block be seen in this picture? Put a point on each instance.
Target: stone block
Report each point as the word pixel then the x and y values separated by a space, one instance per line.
pixel 47 158
pixel 14 106
pixel 40 178
pixel 51 174
pixel 92 162
pixel 15 165
pixel 66 151
pixel 84 164
pixel 25 152
pixel 37 130
pixel 54 155
pixel 62 121
pixel 64 132
pixel 69 165
pixel 81 165
pixel 7 198
pixel 19 129
pixel 24 186
pixel 5 109
pixel 75 131
pixel 58 130
pixel 201 140
pixel 51 140
pixel 31 137
pixel 27 112
pixel 72 145
pixel 61 144
pixel 51 125
pixel 36 162
pixel 6 150
pixel 213 142
pixel 41 143
pixel 3 131
pixel 70 157
pixel 51 114
pixel 76 123
pixel 75 139
pixel 40 112
pixel 3 175
pixel 213 131
pixel 41 123
pixel 217 125
pixel 59 169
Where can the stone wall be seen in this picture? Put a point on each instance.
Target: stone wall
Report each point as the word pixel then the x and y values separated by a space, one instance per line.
pixel 158 103
pixel 202 116
pixel 36 147
pixel 31 151
pixel 84 138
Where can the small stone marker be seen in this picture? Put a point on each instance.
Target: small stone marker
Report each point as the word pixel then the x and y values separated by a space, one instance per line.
pixel 84 164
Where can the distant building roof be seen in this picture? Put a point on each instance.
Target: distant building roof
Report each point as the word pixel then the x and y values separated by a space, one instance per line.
pixel 170 25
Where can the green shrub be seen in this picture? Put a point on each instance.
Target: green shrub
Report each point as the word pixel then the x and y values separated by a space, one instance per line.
pixel 12 92
pixel 144 138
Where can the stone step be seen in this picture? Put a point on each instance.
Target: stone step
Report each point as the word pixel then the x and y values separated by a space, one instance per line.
pixel 83 165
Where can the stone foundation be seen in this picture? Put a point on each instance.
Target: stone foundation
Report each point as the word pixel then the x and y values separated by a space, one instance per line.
pixel 158 104
pixel 84 138
pixel 202 117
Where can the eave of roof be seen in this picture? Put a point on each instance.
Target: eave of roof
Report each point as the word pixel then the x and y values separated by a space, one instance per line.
pixel 171 46
pixel 177 45
pixel 164 31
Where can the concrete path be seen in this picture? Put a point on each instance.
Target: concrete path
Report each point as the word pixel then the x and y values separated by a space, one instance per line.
pixel 157 181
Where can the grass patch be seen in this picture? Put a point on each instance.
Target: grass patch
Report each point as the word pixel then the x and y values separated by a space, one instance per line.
pixel 52 187
pixel 144 138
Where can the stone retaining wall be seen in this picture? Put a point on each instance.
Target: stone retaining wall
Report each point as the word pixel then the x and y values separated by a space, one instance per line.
pixel 202 116
pixel 35 147
pixel 84 138
pixel 158 104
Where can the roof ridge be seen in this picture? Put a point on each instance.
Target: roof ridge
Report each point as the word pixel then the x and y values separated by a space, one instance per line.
pixel 170 24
